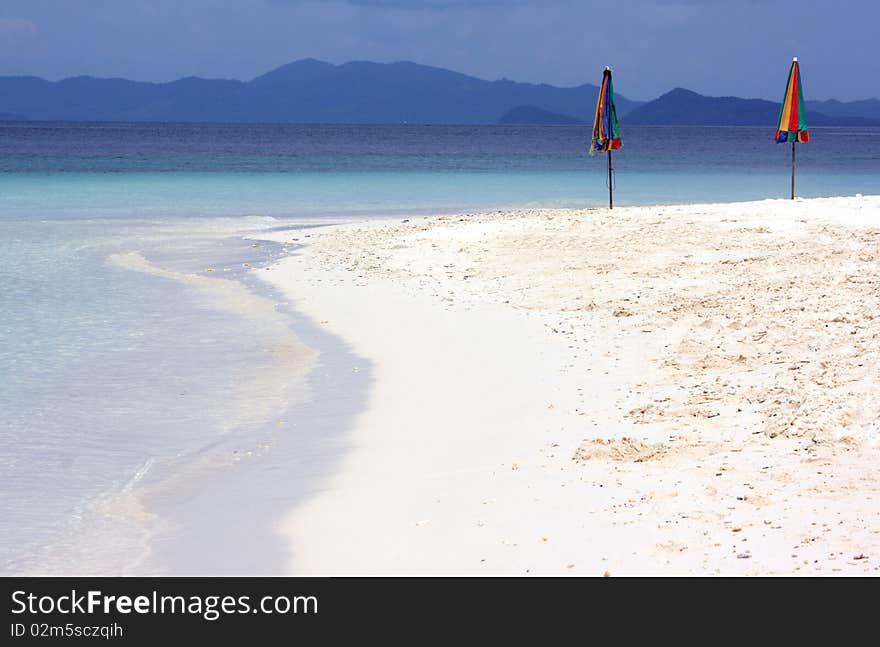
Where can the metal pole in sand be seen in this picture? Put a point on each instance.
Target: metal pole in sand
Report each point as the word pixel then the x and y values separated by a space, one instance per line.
pixel 792 170
pixel 610 183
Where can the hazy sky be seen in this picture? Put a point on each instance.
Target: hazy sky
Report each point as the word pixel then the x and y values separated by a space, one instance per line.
pixel 715 47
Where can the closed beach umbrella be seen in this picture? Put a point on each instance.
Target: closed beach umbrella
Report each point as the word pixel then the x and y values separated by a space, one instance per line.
pixel 606 130
pixel 793 117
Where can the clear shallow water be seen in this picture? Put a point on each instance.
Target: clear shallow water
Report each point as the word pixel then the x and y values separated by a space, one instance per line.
pixel 122 392
pixel 128 399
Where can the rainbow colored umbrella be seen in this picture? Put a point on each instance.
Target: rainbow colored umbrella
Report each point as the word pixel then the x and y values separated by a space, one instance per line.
pixel 606 130
pixel 792 116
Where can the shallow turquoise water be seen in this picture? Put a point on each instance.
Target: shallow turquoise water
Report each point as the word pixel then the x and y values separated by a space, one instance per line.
pixel 151 196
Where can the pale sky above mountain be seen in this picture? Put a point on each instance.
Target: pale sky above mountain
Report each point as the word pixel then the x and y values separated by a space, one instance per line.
pixel 716 47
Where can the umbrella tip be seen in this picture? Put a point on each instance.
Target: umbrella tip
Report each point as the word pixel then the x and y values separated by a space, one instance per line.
pixel 607 68
pixel 794 59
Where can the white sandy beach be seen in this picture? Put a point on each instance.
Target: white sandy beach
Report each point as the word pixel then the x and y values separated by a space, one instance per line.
pixel 653 390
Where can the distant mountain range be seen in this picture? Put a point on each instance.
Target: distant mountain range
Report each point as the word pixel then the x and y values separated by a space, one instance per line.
pixel 310 91
pixel 681 107
pixel 306 91
pixel 867 108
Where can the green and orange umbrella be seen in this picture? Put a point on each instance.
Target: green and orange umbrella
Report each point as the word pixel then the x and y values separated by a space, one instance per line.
pixel 792 116
pixel 606 130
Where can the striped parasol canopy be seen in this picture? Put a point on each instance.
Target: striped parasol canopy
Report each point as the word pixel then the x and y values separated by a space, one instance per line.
pixel 793 117
pixel 606 130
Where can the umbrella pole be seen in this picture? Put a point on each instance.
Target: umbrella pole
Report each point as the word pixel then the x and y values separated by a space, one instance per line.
pixel 610 183
pixel 792 170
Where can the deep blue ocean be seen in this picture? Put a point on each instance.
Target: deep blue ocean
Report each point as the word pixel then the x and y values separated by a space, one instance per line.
pixel 128 396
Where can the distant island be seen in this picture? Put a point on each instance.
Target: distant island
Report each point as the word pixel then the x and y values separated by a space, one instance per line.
pixel 306 91
pixel 681 107
pixel 311 91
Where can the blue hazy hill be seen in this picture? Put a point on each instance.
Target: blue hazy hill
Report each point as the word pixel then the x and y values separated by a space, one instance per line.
pixel 306 91
pixel 681 107
pixel 311 91
pixel 866 108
